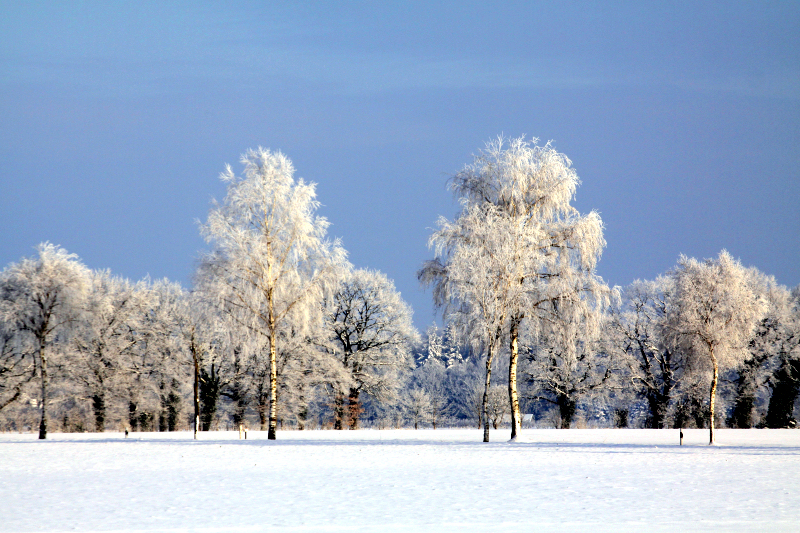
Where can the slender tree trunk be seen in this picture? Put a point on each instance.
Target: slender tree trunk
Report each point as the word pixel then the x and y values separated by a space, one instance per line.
pixel 302 412
pixel 162 415
pixel 273 385
pixel 196 392
pixel 338 410
pixel 516 424
pixel 669 382
pixel 43 362
pixel 487 384
pixel 713 395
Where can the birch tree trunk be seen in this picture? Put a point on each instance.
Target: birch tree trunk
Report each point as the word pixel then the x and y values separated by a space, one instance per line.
pixel 516 424
pixel 43 362
pixel 273 387
pixel 485 403
pixel 196 392
pixel 712 402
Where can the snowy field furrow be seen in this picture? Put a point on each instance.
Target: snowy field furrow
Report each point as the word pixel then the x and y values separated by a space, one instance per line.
pixel 402 480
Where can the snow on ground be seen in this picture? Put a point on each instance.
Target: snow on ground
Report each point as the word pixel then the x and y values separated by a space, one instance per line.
pixel 402 480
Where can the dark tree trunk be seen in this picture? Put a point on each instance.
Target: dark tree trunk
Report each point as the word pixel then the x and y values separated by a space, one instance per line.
pixel 621 418
pixel 196 392
pixel 209 397
pixel 338 410
pixel 566 408
pixel 486 385
pixel 133 415
pixel 162 413
pixel 99 408
pixel 354 408
pixel 658 403
pixel 484 414
pixel 45 382
pixel 302 415
pixel 713 394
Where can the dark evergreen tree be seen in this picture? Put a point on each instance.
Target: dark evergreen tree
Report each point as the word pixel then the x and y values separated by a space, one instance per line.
pixel 747 384
pixel 785 387
pixel 173 406
pixel 209 396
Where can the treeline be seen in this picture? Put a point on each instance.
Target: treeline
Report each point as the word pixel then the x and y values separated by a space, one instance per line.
pixel 280 331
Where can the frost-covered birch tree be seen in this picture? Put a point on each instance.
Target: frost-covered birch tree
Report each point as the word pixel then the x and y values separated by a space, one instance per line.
pixel 516 247
pixel 270 251
pixel 40 297
pixel 713 313
pixel 466 285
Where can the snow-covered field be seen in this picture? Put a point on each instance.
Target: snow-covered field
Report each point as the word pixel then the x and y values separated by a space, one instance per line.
pixel 402 480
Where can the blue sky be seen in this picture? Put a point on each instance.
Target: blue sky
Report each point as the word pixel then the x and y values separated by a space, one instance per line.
pixel 682 120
